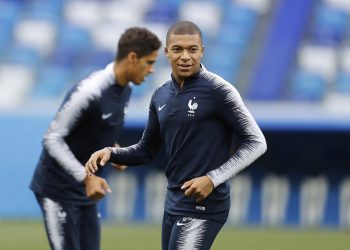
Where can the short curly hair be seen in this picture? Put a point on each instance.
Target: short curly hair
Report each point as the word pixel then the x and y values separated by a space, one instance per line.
pixel 139 40
pixel 184 28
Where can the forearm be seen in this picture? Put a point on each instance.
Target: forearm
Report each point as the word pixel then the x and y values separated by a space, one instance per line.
pixel 144 151
pixel 246 154
pixel 133 155
pixel 252 141
pixel 59 150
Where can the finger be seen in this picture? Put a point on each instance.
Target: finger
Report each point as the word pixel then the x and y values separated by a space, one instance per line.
pixel 184 186
pixel 90 167
pixel 119 167
pixel 97 196
pixel 99 193
pixel 102 162
pixel 199 199
pixel 106 187
pixel 187 184
pixel 190 191
pixel 87 168
pixel 92 194
pixel 94 162
pixel 122 167
pixel 104 159
pixel 96 193
pixel 115 166
pixel 87 172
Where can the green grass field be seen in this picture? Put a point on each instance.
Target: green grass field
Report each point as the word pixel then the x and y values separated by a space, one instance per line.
pixel 31 236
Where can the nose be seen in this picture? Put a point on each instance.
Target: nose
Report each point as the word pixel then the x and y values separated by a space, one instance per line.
pixel 151 70
pixel 185 55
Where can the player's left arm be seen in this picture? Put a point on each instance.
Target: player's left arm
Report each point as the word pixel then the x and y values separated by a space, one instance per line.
pixel 253 144
pixel 96 187
pixel 233 112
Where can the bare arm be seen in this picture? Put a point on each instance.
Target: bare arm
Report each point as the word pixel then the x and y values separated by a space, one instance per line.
pixel 96 187
pixel 97 159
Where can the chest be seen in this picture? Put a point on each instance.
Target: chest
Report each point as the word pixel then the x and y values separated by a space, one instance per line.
pixel 189 107
pixel 111 108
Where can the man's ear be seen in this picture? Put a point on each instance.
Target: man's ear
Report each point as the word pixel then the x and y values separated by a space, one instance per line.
pixel 166 52
pixel 132 57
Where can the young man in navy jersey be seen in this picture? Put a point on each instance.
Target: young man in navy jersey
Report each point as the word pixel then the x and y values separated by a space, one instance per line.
pixel 195 115
pixel 90 117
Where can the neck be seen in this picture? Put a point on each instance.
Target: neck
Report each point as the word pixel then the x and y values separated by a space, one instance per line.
pixel 120 74
pixel 179 81
pixel 180 84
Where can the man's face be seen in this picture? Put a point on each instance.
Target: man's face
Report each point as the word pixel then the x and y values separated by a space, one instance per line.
pixel 184 53
pixel 142 67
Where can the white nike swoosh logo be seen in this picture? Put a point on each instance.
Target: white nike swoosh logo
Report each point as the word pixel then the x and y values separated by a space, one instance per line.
pixel 161 107
pixel 180 224
pixel 183 221
pixel 61 214
pixel 105 116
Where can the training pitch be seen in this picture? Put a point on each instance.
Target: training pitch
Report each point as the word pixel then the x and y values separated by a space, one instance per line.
pixel 30 235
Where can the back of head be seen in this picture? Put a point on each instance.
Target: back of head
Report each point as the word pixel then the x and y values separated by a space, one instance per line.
pixel 183 28
pixel 139 40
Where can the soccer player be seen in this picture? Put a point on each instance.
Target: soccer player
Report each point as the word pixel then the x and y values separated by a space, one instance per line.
pixel 196 115
pixel 90 117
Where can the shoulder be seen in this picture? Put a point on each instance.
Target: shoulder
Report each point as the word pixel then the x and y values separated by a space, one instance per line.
pixel 164 88
pixel 93 85
pixel 217 84
pixel 90 88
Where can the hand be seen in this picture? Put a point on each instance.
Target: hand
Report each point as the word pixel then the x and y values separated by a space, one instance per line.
pixel 99 158
pixel 96 187
pixel 198 188
pixel 119 167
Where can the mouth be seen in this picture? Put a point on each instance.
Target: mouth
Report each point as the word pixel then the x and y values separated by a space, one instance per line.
pixel 184 67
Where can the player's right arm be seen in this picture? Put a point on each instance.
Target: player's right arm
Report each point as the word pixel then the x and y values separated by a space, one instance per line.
pixel 69 115
pixel 97 159
pixel 118 167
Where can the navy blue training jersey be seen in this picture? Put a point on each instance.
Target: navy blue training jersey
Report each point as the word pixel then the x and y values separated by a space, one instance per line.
pixel 89 119
pixel 197 124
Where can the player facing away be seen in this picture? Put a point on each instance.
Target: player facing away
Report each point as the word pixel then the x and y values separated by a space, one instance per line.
pixel 195 115
pixel 89 118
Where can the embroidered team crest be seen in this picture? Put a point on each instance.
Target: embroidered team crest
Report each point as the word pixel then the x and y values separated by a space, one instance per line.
pixel 192 107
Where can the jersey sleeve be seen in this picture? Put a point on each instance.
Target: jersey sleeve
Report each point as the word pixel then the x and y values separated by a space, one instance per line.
pixel 145 150
pixel 72 110
pixel 253 144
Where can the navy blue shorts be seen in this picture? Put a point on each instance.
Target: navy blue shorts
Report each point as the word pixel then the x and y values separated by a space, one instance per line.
pixel 186 233
pixel 70 227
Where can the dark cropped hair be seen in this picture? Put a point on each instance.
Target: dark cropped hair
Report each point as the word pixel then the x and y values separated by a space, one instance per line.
pixel 184 28
pixel 139 40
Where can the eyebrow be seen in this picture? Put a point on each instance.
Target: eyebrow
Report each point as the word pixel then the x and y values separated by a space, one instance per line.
pixel 191 46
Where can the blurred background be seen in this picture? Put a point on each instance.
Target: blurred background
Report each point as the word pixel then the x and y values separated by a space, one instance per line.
pixel 290 60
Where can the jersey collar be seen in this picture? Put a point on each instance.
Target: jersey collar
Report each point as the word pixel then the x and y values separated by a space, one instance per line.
pixel 191 78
